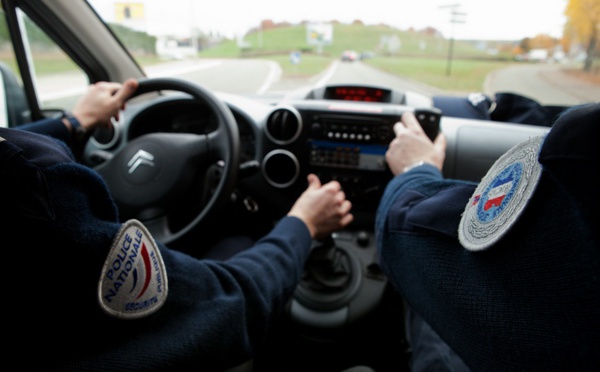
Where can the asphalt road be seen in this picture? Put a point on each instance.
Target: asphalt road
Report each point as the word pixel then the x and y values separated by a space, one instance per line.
pixel 548 84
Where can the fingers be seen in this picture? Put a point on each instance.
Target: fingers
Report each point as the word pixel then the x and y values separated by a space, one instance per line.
pixel 440 142
pixel 127 89
pixel 109 86
pixel 343 205
pixel 348 217
pixel 313 181
pixel 120 92
pixel 123 91
pixel 399 128
pixel 346 207
pixel 410 121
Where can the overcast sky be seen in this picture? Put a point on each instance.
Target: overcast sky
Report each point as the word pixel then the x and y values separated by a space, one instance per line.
pixel 483 19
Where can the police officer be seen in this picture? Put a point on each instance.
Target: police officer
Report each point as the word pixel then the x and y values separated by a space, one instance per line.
pixel 86 291
pixel 503 274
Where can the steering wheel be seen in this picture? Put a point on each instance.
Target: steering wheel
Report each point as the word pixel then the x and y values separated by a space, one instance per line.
pixel 151 174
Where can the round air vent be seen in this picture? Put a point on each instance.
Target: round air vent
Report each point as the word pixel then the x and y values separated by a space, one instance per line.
pixel 106 136
pixel 283 125
pixel 280 168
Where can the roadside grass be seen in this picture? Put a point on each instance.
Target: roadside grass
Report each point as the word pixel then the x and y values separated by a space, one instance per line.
pixel 45 63
pixel 460 75
pixel 465 75
pixel 418 56
pixel 413 55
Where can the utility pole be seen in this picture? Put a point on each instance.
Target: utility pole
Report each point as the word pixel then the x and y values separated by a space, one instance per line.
pixel 193 33
pixel 454 18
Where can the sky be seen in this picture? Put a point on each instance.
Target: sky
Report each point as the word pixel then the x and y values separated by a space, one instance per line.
pixel 476 19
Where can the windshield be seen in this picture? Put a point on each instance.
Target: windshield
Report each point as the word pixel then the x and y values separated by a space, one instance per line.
pixel 268 48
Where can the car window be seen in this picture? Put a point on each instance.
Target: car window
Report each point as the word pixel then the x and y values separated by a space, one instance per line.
pixel 10 71
pixel 435 47
pixel 50 67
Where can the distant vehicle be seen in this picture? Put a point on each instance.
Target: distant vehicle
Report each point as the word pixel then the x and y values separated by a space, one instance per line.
pixel 538 55
pixel 349 56
pixel 366 55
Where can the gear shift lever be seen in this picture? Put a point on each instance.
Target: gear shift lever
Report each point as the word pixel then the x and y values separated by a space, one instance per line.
pixel 328 268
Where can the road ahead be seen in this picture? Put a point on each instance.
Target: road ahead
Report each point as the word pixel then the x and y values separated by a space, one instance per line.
pixel 546 83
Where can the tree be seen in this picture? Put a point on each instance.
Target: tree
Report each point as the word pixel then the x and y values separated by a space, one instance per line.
pixel 583 24
pixel 542 41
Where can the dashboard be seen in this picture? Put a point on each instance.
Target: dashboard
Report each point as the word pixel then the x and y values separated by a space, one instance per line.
pixel 339 132
pixel 337 140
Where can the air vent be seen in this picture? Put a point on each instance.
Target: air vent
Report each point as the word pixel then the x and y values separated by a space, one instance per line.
pixel 106 136
pixel 280 168
pixel 284 126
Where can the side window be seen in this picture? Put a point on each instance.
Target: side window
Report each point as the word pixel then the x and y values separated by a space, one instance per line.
pixel 13 105
pixel 58 81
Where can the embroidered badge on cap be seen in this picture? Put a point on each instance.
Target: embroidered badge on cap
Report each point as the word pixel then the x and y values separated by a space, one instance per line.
pixel 501 196
pixel 133 283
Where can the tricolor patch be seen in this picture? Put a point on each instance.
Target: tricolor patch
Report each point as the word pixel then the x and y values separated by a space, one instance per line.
pixel 133 282
pixel 501 196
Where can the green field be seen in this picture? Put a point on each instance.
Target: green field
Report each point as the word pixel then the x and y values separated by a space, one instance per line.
pixel 464 75
pixel 418 56
pixel 414 55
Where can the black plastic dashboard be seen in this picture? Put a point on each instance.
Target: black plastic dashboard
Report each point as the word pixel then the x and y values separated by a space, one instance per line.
pixel 343 141
pixel 339 133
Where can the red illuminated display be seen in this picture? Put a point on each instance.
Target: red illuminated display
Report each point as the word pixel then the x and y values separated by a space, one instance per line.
pixel 358 94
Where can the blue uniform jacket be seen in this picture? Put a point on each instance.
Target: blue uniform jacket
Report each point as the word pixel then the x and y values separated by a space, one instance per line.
pixel 531 302
pixel 58 223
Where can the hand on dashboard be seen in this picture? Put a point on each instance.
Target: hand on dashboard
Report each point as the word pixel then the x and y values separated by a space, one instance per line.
pixel 412 146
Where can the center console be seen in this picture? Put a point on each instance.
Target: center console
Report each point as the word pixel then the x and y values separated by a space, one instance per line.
pixel 343 141
pixel 337 140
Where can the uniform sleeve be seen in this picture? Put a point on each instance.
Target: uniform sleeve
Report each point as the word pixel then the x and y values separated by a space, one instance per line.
pixel 403 192
pixel 51 127
pixel 216 315
pixel 224 309
pixel 528 303
pixel 401 183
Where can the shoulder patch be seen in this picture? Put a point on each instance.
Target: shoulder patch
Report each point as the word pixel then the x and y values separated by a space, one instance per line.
pixel 501 196
pixel 133 282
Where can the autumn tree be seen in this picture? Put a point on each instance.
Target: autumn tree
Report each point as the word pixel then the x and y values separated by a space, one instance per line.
pixel 543 41
pixel 583 24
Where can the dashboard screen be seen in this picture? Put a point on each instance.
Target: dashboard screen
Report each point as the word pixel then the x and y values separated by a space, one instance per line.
pixel 347 155
pixel 363 94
